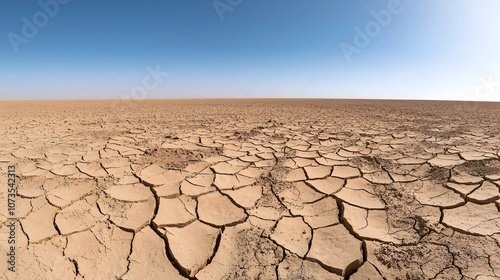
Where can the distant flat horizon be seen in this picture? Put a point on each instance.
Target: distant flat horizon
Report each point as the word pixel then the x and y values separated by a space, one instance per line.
pixel 138 101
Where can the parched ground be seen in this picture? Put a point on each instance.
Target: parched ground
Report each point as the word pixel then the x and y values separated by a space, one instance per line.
pixel 252 189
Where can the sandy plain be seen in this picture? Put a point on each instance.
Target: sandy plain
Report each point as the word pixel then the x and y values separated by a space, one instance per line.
pixel 252 189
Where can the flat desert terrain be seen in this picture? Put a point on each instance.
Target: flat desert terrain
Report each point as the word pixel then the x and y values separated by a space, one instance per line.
pixel 251 189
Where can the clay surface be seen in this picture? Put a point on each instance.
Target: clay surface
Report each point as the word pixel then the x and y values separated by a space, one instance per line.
pixel 253 189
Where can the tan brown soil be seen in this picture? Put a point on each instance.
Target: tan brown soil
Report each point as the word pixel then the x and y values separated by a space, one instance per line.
pixel 252 189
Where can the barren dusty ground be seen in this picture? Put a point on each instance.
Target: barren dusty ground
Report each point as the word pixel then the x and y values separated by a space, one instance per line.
pixel 253 189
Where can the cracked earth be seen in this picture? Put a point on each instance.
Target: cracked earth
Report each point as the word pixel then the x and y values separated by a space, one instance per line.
pixel 253 189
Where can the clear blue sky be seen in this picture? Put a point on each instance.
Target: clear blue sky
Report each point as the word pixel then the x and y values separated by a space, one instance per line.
pixel 282 48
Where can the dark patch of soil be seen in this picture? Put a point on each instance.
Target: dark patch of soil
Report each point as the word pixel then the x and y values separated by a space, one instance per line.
pixel 175 158
pixel 480 167
pixel 245 135
pixel 407 262
pixel 438 174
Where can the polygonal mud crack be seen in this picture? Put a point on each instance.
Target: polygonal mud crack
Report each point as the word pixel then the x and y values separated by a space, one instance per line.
pixel 243 253
pixel 336 249
pixel 192 246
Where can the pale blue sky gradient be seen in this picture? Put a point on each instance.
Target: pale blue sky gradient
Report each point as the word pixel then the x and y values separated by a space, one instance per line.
pixel 281 48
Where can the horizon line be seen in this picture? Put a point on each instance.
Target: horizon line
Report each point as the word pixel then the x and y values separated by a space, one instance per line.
pixel 252 98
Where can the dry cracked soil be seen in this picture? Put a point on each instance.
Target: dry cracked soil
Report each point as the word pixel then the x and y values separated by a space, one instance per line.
pixel 252 189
